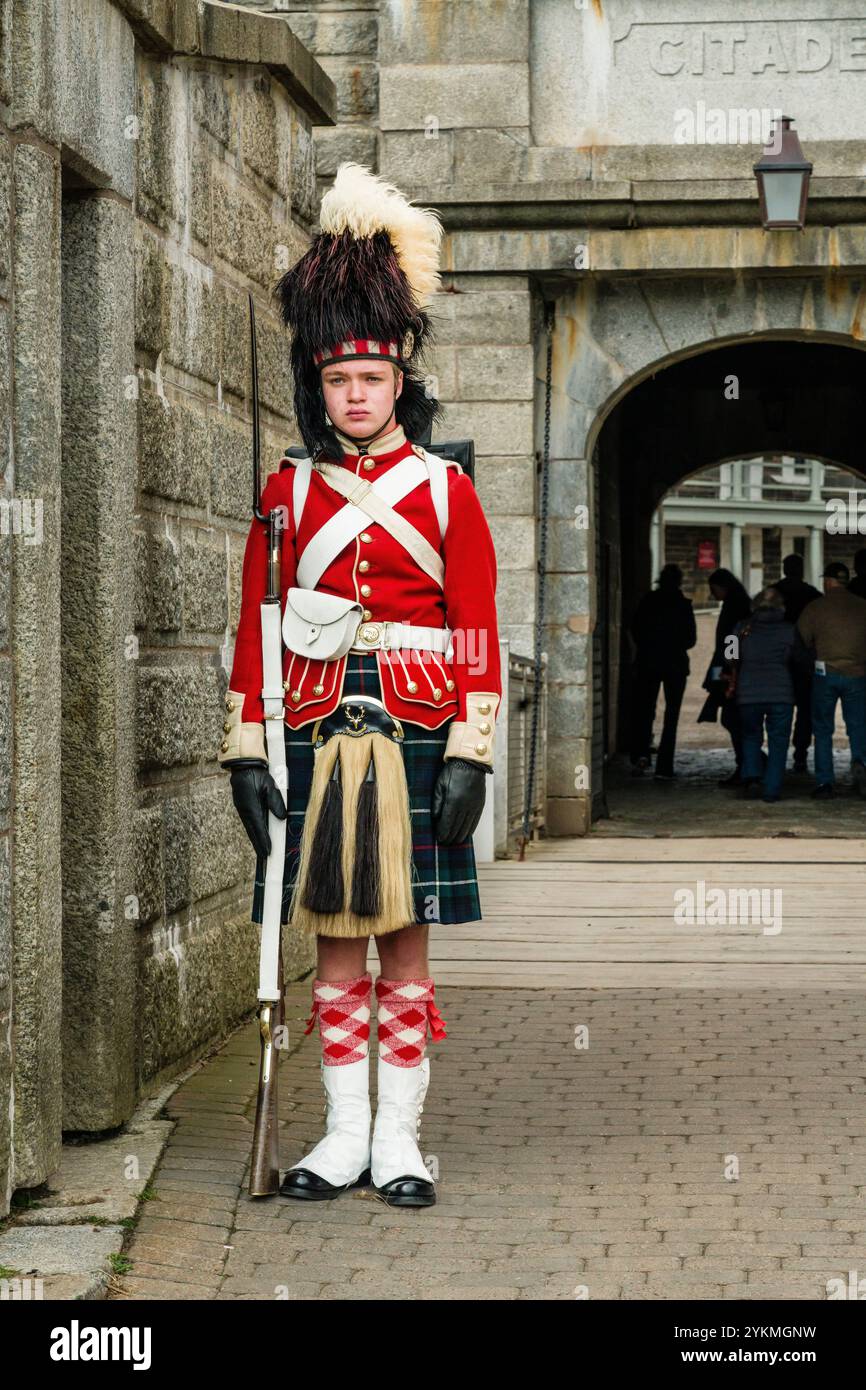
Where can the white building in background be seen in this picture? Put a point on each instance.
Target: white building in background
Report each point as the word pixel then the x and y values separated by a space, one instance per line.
pixel 747 515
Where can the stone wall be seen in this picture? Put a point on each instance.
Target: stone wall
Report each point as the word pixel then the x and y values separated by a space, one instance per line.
pixel 454 91
pixel 226 188
pixel 345 43
pixel 670 89
pixel 141 198
pixel 482 369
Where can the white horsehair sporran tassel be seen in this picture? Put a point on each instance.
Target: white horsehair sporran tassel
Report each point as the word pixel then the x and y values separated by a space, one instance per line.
pixel 355 871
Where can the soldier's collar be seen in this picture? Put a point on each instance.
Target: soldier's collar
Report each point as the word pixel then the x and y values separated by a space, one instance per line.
pixel 385 444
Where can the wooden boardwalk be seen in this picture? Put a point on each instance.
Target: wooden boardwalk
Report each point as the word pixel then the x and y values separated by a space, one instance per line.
pixel 598 912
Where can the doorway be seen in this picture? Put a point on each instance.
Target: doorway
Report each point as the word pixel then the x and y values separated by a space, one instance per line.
pixel 789 430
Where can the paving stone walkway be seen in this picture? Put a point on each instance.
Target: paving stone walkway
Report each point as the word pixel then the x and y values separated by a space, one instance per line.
pixel 706 1144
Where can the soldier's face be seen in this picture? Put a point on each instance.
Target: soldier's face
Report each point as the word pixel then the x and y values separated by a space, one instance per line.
pixel 360 395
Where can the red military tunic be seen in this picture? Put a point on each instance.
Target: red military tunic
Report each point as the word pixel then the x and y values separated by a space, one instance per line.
pixel 377 571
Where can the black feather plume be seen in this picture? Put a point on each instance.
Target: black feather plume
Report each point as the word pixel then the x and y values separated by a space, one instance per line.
pixel 347 287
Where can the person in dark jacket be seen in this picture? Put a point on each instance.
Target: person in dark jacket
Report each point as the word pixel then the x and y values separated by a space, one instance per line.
pixel 736 605
pixel 794 589
pixel 769 650
pixel 834 630
pixel 664 630
pixel 858 583
pixel 797 595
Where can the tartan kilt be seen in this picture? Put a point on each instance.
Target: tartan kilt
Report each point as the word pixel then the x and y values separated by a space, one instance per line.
pixel 444 877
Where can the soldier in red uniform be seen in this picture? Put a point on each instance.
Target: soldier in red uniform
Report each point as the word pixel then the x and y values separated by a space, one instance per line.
pixel 391 673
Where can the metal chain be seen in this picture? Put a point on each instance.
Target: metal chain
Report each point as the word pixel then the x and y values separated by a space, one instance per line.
pixel 542 578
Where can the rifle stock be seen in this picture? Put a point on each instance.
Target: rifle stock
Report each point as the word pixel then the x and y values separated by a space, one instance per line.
pixel 265 1161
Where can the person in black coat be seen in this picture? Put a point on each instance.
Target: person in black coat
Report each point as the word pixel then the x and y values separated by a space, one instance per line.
pixel 798 595
pixel 663 629
pixel 736 605
pixel 794 589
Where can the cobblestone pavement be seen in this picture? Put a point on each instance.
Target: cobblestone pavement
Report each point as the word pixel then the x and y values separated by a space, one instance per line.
pixel 706 1144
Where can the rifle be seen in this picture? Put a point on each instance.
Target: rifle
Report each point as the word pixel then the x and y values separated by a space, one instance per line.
pixel 265 1160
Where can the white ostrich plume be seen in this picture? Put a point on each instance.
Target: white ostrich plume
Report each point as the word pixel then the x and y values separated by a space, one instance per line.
pixel 363 203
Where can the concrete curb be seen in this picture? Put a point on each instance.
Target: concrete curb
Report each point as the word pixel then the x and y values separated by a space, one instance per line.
pixel 60 1248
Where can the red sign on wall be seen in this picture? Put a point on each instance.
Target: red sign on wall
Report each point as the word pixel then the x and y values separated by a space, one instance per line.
pixel 706 555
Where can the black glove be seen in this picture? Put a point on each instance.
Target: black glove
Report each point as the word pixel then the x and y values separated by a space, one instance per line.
pixel 254 793
pixel 458 799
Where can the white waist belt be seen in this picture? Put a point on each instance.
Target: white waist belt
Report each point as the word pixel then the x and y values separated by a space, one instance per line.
pixel 397 636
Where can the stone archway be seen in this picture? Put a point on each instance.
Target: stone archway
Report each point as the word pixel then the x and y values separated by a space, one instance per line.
pixel 635 365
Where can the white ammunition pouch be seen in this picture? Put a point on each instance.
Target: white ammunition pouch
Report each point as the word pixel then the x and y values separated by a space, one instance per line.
pixel 320 626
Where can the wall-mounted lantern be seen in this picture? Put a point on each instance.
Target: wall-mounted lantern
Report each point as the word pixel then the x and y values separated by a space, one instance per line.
pixel 783 179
